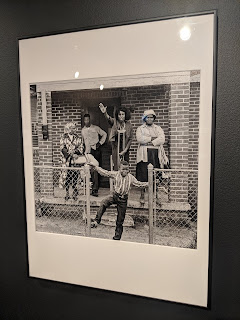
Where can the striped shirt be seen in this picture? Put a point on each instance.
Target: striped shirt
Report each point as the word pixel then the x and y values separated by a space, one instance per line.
pixel 121 184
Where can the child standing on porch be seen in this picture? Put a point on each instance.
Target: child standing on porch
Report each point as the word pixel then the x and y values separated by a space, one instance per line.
pixel 122 183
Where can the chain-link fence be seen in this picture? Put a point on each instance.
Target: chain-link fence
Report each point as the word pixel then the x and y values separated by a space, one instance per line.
pixel 62 199
pixel 62 205
pixel 173 207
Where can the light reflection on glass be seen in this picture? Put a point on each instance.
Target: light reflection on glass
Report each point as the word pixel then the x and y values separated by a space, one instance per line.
pixel 185 33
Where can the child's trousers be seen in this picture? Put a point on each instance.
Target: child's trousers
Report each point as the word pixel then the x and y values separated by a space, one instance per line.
pixel 121 203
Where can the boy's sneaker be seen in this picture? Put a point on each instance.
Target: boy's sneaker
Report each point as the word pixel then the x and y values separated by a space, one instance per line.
pixel 117 237
pixel 94 224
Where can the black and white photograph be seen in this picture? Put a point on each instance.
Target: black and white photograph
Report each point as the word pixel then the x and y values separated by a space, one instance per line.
pixel 118 163
pixel 117 155
pixel 120 160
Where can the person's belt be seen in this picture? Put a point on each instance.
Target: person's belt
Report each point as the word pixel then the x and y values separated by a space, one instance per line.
pixel 124 196
pixel 149 145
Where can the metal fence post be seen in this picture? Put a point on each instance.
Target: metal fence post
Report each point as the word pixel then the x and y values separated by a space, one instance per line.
pixel 87 170
pixel 111 168
pixel 150 201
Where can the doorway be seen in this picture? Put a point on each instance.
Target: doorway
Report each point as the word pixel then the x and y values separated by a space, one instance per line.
pixel 91 106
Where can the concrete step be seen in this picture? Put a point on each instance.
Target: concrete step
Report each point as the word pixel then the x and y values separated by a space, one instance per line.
pixel 109 219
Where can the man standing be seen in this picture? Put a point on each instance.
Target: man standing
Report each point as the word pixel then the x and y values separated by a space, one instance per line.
pixel 93 137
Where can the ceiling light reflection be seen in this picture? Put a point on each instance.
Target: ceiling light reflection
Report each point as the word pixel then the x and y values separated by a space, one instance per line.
pixel 185 33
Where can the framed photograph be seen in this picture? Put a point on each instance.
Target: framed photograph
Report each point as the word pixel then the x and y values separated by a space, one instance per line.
pixel 117 136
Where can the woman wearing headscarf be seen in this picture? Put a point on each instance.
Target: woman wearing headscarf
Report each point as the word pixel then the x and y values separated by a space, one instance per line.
pixel 71 148
pixel 150 138
pixel 121 127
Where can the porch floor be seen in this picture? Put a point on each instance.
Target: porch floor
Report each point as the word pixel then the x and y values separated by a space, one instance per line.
pixel 133 199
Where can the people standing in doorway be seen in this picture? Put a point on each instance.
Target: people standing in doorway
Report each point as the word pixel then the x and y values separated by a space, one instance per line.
pixel 93 137
pixel 71 148
pixel 121 134
pixel 150 138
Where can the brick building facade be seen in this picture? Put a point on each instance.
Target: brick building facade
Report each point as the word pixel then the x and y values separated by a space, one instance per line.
pixel 176 106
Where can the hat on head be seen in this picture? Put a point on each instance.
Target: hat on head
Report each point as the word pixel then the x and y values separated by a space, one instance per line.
pixel 68 126
pixel 148 113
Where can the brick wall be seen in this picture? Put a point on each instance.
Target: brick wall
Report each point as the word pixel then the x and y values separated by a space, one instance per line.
pixel 67 106
pixel 176 107
pixel 179 139
pixel 138 99
pixel 193 142
pixel 45 146
pixel 194 125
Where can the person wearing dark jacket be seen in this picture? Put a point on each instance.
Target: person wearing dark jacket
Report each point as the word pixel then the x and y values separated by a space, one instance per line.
pixel 121 127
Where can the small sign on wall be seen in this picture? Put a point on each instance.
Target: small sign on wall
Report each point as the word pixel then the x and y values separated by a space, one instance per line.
pixel 45 132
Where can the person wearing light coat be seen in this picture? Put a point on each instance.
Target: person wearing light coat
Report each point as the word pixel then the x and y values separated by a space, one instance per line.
pixel 150 138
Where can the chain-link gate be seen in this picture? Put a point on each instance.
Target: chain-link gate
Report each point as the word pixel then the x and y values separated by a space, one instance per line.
pixel 62 202
pixel 173 207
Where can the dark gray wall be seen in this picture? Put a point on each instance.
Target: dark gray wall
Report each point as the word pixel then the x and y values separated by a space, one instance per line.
pixel 25 298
